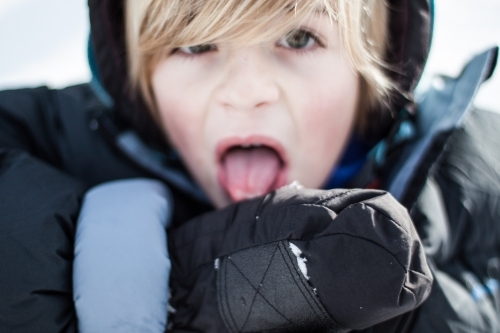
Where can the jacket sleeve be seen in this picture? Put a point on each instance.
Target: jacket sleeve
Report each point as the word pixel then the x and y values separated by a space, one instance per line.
pixel 121 267
pixel 298 259
pixel 38 210
pixel 39 205
pixel 458 218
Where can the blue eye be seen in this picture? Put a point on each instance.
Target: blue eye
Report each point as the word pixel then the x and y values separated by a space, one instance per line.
pixel 197 49
pixel 298 39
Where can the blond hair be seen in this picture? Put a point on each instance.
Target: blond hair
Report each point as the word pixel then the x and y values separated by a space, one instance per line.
pixel 154 27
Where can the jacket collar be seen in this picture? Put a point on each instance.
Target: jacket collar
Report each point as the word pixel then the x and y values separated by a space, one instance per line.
pixel 441 110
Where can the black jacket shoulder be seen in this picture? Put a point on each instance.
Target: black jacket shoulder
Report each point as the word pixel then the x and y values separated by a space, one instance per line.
pixel 59 127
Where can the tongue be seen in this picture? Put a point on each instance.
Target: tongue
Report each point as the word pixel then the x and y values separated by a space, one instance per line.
pixel 250 172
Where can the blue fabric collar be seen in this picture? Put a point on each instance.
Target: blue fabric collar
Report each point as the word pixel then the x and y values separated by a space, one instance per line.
pixel 350 164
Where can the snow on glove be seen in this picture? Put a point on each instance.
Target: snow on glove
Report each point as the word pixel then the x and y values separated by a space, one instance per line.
pixel 297 260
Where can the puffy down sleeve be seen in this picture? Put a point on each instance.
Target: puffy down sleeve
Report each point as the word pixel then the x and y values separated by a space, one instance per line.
pixel 121 266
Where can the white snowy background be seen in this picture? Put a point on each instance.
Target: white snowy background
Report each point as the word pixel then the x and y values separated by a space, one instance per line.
pixel 43 42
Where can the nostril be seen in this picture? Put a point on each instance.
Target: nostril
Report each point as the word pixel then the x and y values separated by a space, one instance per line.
pixel 261 104
pixel 246 99
pixel 251 96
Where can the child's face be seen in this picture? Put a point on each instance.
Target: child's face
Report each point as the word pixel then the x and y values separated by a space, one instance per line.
pixel 248 120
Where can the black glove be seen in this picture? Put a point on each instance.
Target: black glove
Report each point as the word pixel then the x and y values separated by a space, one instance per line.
pixel 297 260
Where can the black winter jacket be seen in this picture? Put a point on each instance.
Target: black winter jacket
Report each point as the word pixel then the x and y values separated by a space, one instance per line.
pixel 372 236
pixel 56 144
pixel 53 149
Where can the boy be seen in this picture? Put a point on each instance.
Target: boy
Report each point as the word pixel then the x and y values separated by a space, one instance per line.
pixel 254 95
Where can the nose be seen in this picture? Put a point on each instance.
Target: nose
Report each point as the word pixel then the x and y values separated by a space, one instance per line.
pixel 248 81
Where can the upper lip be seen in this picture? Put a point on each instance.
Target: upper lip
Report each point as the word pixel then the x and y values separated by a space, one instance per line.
pixel 254 140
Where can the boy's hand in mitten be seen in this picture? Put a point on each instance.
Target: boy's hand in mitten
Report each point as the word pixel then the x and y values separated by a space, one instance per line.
pixel 297 260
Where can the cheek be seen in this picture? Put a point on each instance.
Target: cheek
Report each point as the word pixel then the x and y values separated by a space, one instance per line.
pixel 326 121
pixel 331 111
pixel 181 130
pixel 181 115
pixel 182 96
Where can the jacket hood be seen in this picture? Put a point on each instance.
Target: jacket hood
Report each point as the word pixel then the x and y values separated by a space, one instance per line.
pixel 410 27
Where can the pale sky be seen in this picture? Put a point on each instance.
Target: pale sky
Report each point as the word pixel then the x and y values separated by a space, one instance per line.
pixel 43 42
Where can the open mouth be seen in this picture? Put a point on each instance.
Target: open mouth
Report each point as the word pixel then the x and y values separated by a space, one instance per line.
pixel 251 167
